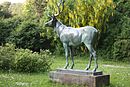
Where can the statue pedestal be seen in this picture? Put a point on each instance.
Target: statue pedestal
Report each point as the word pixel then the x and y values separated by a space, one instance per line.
pixel 81 77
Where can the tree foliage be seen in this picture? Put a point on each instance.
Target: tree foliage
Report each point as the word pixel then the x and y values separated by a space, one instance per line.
pixel 16 9
pixel 34 8
pixel 78 13
pixel 115 42
pixel 26 35
pixel 4 10
pixel 6 27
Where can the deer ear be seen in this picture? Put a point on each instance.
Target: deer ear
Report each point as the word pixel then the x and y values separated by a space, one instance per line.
pixel 55 18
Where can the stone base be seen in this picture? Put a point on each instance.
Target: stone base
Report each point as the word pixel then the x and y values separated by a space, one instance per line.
pixel 81 77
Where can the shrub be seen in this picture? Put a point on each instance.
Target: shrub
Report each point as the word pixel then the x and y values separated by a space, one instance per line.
pixel 7 57
pixel 121 49
pixel 24 60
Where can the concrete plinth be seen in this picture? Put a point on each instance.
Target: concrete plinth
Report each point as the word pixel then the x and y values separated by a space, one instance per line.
pixel 88 78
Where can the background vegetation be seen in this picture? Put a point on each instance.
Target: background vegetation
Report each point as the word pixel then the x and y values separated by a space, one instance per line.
pixel 23 26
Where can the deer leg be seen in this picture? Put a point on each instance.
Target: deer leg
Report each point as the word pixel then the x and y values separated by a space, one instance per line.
pixel 90 59
pixel 96 64
pixel 66 55
pixel 71 54
pixel 89 64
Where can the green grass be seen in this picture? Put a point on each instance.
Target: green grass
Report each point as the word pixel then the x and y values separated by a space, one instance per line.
pixel 119 73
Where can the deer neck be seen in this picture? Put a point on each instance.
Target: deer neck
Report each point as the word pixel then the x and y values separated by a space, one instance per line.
pixel 59 27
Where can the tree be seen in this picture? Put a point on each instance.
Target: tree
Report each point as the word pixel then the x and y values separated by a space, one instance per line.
pixel 4 10
pixel 26 35
pixel 115 43
pixel 78 13
pixel 16 9
pixel 35 7
pixel 6 27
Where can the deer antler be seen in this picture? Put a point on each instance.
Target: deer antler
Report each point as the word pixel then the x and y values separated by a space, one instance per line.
pixel 58 6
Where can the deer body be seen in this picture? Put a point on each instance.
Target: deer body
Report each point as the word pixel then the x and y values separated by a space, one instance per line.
pixel 75 36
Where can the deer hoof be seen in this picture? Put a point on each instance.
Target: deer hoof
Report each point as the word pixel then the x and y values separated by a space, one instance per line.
pixel 94 70
pixel 66 66
pixel 72 66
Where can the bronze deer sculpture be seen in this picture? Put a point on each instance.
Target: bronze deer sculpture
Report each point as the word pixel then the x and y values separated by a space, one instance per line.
pixel 70 36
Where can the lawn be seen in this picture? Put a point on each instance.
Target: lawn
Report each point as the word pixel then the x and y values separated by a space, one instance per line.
pixel 119 74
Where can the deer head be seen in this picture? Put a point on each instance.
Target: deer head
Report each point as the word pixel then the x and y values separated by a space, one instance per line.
pixel 53 20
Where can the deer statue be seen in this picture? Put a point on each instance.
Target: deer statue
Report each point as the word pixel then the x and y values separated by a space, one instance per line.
pixel 70 36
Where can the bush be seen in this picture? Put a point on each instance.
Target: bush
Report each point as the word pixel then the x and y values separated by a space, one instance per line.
pixel 7 57
pixel 24 60
pixel 121 49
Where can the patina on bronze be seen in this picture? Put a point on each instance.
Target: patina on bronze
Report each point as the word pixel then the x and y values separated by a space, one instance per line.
pixel 70 36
